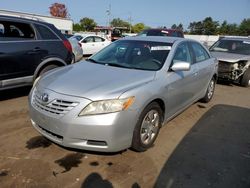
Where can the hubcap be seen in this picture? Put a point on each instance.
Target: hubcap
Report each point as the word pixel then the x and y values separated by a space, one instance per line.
pixel 150 126
pixel 210 89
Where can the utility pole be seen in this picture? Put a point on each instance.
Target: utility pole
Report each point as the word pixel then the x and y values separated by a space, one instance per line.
pixel 109 14
pixel 130 22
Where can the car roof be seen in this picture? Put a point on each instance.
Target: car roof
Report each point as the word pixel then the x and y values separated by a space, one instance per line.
pixel 240 38
pixel 30 20
pixel 163 29
pixel 156 39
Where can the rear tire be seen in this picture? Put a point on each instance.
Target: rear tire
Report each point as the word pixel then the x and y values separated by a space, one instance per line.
pixel 147 127
pixel 210 91
pixel 245 81
pixel 47 68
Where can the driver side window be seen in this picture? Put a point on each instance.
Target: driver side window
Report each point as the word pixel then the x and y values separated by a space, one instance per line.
pixel 182 53
pixel 88 39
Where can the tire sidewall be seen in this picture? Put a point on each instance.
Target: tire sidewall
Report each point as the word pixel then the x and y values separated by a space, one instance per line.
pixel 136 142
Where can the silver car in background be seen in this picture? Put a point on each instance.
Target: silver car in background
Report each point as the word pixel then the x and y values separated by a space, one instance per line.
pixel 233 54
pixel 121 96
pixel 76 49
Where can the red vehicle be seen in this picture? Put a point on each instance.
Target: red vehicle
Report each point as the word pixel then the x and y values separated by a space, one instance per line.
pixel 162 32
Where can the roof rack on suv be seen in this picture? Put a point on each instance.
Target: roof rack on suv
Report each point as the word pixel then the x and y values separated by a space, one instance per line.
pixel 24 16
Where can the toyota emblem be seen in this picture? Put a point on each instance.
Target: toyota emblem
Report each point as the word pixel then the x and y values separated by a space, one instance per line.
pixel 45 97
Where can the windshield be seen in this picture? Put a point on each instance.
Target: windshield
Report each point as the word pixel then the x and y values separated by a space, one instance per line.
pixel 232 46
pixel 143 55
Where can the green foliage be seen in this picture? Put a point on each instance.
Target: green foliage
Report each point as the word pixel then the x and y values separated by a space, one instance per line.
pixel 137 28
pixel 117 22
pixel 88 24
pixel 179 27
pixel 77 27
pixel 244 28
pixel 205 27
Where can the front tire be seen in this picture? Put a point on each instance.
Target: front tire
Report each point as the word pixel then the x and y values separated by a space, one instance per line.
pixel 147 127
pixel 210 91
pixel 245 81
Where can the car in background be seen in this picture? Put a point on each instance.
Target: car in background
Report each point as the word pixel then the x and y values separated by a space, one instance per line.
pixel 91 43
pixel 28 49
pixel 76 49
pixel 121 96
pixel 162 32
pixel 233 54
pixel 68 35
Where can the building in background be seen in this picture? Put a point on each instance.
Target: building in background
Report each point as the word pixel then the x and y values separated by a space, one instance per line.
pixel 63 24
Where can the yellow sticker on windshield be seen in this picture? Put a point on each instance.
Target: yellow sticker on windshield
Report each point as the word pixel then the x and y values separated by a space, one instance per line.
pixel 161 48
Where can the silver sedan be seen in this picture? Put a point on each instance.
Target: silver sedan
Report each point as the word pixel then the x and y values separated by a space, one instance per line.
pixel 121 96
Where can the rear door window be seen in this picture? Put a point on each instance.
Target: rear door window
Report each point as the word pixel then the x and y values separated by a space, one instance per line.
pixel 16 31
pixel 200 54
pixel 46 33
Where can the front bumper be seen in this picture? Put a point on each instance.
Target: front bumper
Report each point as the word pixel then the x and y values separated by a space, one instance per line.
pixel 106 132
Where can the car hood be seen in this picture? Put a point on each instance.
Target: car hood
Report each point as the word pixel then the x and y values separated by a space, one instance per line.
pixel 230 57
pixel 94 81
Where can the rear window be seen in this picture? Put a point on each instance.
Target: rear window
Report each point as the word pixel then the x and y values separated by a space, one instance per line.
pixel 16 31
pixel 154 33
pixel 46 33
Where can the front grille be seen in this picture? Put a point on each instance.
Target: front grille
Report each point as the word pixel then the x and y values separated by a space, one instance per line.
pixel 57 106
pixel 225 67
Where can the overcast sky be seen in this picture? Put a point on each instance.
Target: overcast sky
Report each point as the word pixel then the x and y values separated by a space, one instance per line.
pixel 153 13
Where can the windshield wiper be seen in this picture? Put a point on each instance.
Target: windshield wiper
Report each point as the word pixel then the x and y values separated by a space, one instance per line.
pixel 117 65
pixel 92 60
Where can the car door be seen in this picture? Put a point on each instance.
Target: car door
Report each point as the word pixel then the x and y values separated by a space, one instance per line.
pixel 99 43
pixel 204 65
pixel 16 44
pixel 88 45
pixel 181 86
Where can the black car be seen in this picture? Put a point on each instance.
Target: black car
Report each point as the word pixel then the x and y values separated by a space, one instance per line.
pixel 29 48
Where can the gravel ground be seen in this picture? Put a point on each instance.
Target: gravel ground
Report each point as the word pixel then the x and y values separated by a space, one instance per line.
pixel 208 145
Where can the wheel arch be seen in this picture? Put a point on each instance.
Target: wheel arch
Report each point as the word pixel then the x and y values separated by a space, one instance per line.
pixel 46 62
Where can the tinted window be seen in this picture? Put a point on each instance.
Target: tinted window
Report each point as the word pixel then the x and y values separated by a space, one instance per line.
pixel 143 55
pixel 46 33
pixel 182 53
pixel 16 30
pixel 99 39
pixel 200 54
pixel 89 39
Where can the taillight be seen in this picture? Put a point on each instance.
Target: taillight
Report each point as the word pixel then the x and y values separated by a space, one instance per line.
pixel 67 45
pixel 80 44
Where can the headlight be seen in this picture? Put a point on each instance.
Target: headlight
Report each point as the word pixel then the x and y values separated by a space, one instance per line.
pixel 107 106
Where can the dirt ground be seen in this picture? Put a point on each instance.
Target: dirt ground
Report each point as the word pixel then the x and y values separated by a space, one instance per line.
pixel 208 145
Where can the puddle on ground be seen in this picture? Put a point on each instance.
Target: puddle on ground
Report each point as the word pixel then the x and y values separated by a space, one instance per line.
pixel 38 142
pixel 136 185
pixel 109 163
pixel 94 163
pixel 95 180
pixel 70 161
pixel 3 173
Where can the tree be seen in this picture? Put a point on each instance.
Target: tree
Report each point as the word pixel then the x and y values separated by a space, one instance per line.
pixel 179 27
pixel 209 26
pixel 196 28
pixel 244 27
pixel 77 27
pixel 117 22
pixel 137 28
pixel 228 29
pixel 88 24
pixel 58 10
pixel 205 27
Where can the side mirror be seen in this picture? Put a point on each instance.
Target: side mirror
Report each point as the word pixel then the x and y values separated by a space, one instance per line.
pixel 181 66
